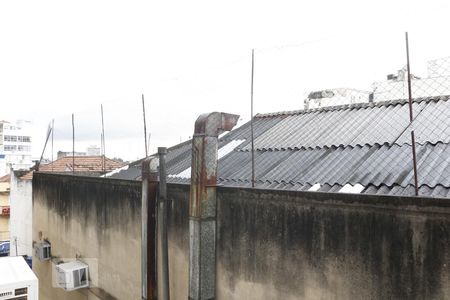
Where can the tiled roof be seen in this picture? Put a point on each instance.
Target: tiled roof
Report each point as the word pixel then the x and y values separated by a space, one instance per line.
pixel 83 164
pixel 367 144
pixel 6 178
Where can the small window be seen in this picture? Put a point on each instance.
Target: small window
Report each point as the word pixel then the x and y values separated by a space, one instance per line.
pixel 22 291
pixel 10 148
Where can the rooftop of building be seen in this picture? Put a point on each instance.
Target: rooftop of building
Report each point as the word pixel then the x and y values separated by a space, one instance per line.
pixel 78 164
pixel 5 178
pixel 367 144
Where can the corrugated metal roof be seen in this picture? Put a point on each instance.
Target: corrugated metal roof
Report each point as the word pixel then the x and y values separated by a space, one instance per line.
pixel 358 125
pixel 376 165
pixel 367 144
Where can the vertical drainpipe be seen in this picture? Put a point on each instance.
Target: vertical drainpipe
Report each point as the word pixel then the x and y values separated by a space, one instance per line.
pixel 163 248
pixel 202 203
pixel 148 245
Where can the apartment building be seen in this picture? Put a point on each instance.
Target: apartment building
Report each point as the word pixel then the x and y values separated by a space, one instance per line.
pixel 15 146
pixel 4 208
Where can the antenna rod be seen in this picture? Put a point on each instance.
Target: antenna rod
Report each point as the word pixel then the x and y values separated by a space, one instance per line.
pixel 101 151
pixel 411 118
pixel 73 146
pixel 145 126
pixel 49 130
pixel 53 130
pixel 251 121
pixel 103 142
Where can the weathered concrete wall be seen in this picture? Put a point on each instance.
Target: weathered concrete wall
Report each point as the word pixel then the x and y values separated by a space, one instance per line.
pixel 271 244
pixel 300 245
pixel 97 220
pixel 293 245
pixel 20 222
pixel 178 236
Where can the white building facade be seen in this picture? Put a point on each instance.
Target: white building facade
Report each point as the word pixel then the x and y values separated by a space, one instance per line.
pixel 15 146
pixel 21 217
pixel 334 97
pixel 395 87
pixel 437 83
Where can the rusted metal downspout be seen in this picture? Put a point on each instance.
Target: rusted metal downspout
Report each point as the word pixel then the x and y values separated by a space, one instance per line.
pixel 161 219
pixel 150 181
pixel 202 203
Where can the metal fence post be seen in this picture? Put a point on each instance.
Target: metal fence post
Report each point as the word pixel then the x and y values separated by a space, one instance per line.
pixel 202 203
pixel 162 224
pixel 148 212
pixel 411 119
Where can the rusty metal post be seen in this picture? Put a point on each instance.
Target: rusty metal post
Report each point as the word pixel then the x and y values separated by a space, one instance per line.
pixel 411 119
pixel 202 203
pixel 148 244
pixel 163 255
pixel 251 121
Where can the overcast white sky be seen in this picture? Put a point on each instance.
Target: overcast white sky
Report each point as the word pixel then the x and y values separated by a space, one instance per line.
pixel 191 57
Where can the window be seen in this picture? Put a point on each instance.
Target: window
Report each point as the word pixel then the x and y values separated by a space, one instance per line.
pixel 22 291
pixel 10 138
pixel 25 139
pixel 10 147
pixel 24 148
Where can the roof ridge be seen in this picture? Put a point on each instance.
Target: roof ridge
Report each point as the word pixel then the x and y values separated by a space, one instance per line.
pixel 409 185
pixel 353 106
pixel 342 146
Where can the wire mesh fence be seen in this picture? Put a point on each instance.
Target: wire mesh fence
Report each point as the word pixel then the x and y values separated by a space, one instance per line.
pixel 360 122
pixel 389 139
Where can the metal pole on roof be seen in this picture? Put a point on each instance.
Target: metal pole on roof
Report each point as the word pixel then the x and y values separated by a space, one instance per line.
pixel 103 141
pixel 73 146
pixel 162 224
pixel 53 130
pixel 411 118
pixel 145 126
pixel 251 121
pixel 49 130
pixel 149 231
pixel 101 152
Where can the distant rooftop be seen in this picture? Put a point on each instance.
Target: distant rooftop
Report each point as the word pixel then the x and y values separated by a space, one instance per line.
pixel 6 178
pixel 83 165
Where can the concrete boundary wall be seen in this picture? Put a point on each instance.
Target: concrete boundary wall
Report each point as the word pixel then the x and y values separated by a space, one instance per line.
pixel 300 245
pixel 270 244
pixel 94 220
pixel 310 245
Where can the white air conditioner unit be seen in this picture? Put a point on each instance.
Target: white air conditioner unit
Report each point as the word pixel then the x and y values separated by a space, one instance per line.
pixel 17 280
pixel 72 275
pixel 43 251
